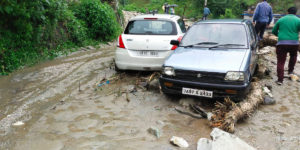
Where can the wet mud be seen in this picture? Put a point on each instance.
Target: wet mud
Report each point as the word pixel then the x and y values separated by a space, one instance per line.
pixel 64 108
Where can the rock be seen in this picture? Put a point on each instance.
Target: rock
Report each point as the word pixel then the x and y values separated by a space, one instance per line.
pixel 209 115
pixel 90 47
pixel 269 86
pixel 294 77
pixel 19 123
pixel 132 89
pixel 269 100
pixel 222 141
pixel 204 144
pixel 267 91
pixel 186 102
pixel 154 131
pixel 180 142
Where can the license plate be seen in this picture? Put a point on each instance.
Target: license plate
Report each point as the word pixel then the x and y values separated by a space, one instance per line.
pixel 195 92
pixel 147 53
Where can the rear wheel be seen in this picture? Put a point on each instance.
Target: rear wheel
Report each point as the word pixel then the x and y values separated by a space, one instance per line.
pixel 117 69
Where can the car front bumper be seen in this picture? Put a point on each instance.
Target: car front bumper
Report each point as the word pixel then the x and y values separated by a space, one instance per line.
pixel 219 90
pixel 126 61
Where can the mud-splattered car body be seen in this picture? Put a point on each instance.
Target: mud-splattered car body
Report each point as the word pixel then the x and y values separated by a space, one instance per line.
pixel 214 59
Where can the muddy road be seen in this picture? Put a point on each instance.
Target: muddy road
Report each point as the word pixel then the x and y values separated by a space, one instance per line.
pixel 62 108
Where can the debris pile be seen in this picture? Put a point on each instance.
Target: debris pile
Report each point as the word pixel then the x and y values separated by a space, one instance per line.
pixel 226 114
pixel 269 40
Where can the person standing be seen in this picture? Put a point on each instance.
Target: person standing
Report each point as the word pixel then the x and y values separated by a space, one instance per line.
pixel 166 8
pixel 172 10
pixel 206 12
pixel 287 29
pixel 262 18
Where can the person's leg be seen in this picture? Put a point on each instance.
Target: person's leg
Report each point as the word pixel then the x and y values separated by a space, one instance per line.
pixel 258 28
pixel 293 50
pixel 262 30
pixel 281 57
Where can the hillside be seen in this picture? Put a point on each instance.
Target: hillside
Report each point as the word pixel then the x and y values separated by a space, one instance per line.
pixel 194 8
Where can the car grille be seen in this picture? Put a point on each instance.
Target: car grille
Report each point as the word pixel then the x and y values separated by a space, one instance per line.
pixel 204 77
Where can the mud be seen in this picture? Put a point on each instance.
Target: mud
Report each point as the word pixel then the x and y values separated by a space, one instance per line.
pixel 64 109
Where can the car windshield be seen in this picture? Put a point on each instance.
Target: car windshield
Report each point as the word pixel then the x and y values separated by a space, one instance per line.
pixel 151 27
pixel 216 35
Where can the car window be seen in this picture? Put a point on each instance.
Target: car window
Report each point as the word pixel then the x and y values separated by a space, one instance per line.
pixel 151 27
pixel 220 33
pixel 181 25
pixel 252 33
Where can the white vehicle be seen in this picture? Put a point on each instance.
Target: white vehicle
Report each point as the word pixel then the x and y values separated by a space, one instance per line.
pixel 145 43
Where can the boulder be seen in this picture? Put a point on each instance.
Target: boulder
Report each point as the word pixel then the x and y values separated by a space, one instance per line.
pixel 222 141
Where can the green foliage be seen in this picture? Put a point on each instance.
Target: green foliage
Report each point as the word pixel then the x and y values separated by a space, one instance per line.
pixel 228 14
pixel 99 18
pixel 31 31
pixel 76 28
pixel 219 8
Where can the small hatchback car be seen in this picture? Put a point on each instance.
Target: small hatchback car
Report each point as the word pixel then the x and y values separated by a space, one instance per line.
pixel 215 58
pixel 145 43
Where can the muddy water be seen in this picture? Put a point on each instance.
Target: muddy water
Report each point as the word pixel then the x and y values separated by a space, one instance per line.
pixel 63 109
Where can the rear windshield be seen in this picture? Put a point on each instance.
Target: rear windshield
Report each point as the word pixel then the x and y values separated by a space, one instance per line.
pixel 216 33
pixel 151 27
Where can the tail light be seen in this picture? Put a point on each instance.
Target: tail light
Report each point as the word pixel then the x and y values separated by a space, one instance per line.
pixel 175 46
pixel 120 42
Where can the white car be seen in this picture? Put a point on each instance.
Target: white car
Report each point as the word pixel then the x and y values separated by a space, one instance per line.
pixel 145 43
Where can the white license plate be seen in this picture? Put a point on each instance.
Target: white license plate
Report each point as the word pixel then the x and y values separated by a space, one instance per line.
pixel 195 92
pixel 147 53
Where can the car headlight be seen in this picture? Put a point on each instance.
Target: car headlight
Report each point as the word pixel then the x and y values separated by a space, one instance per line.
pixel 235 76
pixel 169 71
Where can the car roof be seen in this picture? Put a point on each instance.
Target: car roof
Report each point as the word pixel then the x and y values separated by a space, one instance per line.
pixel 237 21
pixel 159 16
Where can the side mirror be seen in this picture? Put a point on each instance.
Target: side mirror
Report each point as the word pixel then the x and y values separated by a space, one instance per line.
pixel 175 42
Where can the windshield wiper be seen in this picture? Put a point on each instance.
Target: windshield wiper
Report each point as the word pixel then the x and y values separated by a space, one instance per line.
pixel 202 43
pixel 226 45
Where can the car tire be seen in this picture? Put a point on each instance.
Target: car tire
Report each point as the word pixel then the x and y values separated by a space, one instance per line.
pixel 117 69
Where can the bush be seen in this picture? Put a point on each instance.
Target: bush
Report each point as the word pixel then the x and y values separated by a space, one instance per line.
pixel 99 18
pixel 36 30
pixel 76 29
pixel 228 14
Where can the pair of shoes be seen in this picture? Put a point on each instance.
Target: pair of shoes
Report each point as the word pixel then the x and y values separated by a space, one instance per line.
pixel 279 83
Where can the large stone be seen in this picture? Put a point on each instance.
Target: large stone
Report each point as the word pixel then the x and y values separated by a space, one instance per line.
pixel 269 100
pixel 222 141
